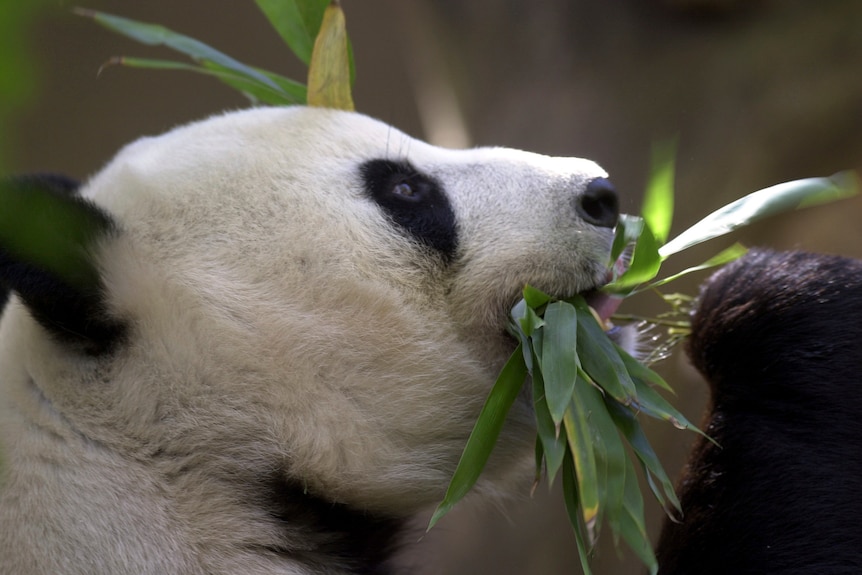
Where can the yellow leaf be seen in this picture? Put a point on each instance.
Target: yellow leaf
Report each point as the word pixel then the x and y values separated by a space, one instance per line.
pixel 329 70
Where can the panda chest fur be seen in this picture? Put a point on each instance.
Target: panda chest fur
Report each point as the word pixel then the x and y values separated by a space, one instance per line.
pixel 274 337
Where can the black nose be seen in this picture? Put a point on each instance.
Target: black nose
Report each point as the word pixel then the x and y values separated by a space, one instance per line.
pixel 598 204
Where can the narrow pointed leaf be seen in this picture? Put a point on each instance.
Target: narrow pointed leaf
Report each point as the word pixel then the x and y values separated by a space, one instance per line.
pixel 530 321
pixel 631 430
pixel 559 357
pixel 570 496
pixel 654 405
pixel 657 210
pixel 553 444
pixel 644 265
pixel 761 204
pixel 576 424
pixel 54 232
pixel 632 523
pixel 291 92
pixel 329 70
pixel 726 256
pixel 296 21
pixel 485 433
pixel 535 298
pixel 156 35
pixel 610 453
pixel 599 357
pixel 637 370
pixel 628 230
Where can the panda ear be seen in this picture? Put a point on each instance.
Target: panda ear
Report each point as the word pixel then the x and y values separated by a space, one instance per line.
pixel 46 234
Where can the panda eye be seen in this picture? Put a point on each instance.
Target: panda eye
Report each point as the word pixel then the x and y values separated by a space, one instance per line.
pixel 407 192
pixel 413 201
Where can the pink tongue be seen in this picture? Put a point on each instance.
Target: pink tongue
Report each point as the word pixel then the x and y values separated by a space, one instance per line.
pixel 604 304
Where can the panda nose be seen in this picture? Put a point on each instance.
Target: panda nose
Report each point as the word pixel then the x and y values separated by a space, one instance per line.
pixel 598 204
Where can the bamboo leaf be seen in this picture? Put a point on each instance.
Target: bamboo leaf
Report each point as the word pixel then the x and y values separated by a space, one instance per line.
pixel 291 93
pixel 726 256
pixel 610 452
pixel 296 21
pixel 49 229
pixel 632 524
pixel 485 433
pixel 329 69
pixel 599 357
pixel 156 35
pixel 576 424
pixel 570 496
pixel 551 441
pixel 657 210
pixel 637 370
pixel 654 405
pixel 628 230
pixel 644 265
pixel 630 428
pixel 559 357
pixel 535 298
pixel 761 204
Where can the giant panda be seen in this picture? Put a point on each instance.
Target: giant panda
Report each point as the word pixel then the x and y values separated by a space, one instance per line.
pixel 273 342
pixel 778 336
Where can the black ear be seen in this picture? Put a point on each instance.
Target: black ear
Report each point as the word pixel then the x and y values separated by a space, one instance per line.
pixel 46 234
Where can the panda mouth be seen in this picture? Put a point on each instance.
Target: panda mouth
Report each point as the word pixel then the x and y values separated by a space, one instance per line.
pixel 603 304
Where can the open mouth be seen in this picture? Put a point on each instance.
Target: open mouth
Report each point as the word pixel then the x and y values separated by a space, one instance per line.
pixel 603 304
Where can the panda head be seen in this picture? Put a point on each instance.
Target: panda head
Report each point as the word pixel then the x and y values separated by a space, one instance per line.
pixel 304 294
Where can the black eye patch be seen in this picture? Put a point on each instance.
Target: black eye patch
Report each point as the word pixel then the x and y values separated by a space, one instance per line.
pixel 414 201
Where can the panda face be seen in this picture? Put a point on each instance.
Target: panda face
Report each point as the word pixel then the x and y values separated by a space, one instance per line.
pixel 313 295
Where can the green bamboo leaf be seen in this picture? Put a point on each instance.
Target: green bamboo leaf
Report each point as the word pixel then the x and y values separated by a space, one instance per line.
pixel 657 210
pixel 651 403
pixel 581 448
pixel 291 93
pixel 530 321
pixel 540 462
pixel 485 433
pixel 518 326
pixel 627 231
pixel 644 265
pixel 599 356
pixel 552 442
pixel 296 21
pixel 51 230
pixel 726 256
pixel 657 407
pixel 610 452
pixel 570 496
pixel 535 298
pixel 632 523
pixel 156 35
pixel 628 425
pixel 559 357
pixel 763 203
pixel 637 370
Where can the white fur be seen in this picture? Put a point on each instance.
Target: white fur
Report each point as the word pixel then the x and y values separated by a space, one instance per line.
pixel 280 324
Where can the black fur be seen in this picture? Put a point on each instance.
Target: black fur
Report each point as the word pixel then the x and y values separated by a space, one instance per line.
pixel 334 534
pixel 415 202
pixel 779 338
pixel 46 232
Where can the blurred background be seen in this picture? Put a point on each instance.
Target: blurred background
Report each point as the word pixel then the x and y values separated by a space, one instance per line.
pixel 756 92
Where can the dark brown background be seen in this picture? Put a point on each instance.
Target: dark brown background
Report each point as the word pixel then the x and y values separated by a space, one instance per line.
pixel 756 91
